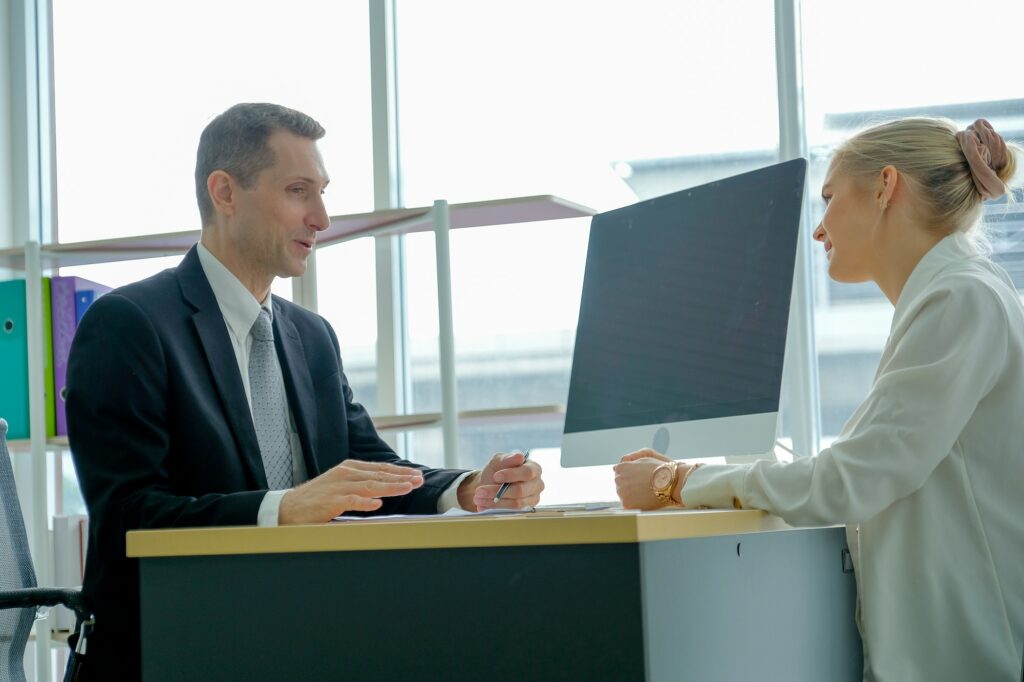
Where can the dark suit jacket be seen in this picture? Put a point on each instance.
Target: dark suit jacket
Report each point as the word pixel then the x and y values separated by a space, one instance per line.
pixel 162 435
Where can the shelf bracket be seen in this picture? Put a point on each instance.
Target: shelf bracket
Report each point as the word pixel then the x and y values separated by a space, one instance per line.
pixel 446 335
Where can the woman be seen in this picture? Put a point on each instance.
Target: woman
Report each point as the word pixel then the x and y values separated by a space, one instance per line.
pixel 928 474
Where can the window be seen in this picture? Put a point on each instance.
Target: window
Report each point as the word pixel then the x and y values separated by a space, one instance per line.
pixel 345 297
pixel 135 84
pixel 602 104
pixel 937 69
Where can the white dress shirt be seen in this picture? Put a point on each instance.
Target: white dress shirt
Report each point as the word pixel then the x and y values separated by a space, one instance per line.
pixel 240 309
pixel 928 474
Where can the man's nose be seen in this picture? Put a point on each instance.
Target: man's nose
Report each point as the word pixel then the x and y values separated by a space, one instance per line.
pixel 318 219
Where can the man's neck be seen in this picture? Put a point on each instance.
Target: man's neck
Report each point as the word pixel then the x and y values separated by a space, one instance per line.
pixel 256 284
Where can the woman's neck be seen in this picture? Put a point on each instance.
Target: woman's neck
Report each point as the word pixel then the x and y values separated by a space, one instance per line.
pixel 907 245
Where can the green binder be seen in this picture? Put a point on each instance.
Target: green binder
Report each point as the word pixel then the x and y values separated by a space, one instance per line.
pixel 14 403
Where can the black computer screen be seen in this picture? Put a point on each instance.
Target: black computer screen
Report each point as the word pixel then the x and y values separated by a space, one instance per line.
pixel 685 304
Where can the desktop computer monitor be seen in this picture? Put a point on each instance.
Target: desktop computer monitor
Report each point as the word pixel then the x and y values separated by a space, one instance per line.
pixel 682 327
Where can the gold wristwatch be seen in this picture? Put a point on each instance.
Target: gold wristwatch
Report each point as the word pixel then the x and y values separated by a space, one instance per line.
pixel 663 480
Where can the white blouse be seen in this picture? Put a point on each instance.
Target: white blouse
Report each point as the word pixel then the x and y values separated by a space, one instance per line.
pixel 928 475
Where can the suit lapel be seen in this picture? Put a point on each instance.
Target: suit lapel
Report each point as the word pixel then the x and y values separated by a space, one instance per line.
pixel 298 384
pixel 213 334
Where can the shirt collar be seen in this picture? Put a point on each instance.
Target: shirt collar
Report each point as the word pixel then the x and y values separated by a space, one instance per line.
pixel 237 304
pixel 953 249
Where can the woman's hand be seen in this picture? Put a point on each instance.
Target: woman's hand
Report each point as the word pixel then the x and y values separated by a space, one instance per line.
pixel 633 479
pixel 646 452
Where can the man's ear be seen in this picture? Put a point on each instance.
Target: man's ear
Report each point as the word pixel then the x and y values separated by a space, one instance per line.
pixel 222 189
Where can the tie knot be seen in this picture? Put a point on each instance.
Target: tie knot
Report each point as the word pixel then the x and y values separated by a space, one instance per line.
pixel 262 329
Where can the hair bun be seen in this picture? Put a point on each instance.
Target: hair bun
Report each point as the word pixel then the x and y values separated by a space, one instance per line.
pixel 986 154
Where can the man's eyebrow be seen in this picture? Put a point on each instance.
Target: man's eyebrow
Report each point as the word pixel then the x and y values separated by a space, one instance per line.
pixel 311 181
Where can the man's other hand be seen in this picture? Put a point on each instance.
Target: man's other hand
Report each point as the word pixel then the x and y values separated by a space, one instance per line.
pixel 477 492
pixel 353 485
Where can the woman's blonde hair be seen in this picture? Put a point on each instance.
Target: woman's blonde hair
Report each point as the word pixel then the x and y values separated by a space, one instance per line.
pixel 928 155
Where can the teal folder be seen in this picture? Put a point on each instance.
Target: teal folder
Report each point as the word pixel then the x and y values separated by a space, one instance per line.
pixel 14 359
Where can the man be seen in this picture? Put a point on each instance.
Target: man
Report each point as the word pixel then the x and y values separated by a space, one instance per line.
pixel 195 398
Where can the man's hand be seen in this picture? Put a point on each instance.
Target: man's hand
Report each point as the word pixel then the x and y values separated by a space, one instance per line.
pixel 477 491
pixel 353 485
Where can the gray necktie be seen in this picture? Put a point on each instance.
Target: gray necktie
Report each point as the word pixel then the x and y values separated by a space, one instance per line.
pixel 268 405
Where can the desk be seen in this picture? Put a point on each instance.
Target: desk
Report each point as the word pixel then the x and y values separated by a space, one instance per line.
pixel 697 594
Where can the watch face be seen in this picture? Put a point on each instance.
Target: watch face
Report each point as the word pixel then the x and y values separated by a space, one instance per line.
pixel 662 477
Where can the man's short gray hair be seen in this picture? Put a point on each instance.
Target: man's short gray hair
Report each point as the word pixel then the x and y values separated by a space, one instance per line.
pixel 236 143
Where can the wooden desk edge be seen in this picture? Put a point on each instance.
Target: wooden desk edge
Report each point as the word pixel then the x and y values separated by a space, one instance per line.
pixel 571 528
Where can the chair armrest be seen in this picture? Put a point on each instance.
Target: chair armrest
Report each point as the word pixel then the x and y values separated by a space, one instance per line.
pixel 34 597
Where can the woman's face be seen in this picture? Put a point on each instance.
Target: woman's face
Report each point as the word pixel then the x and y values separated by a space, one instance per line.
pixel 846 229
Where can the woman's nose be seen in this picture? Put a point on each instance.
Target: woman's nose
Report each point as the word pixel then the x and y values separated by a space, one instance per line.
pixel 819 233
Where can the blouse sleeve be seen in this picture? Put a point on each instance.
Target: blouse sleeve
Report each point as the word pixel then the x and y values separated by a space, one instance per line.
pixel 927 388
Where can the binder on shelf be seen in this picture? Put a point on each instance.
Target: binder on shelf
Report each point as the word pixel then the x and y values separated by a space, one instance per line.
pixel 70 298
pixel 14 395
pixel 70 540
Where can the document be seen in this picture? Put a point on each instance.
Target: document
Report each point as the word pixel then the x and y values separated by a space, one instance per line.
pixel 578 507
pixel 451 513
pixel 462 513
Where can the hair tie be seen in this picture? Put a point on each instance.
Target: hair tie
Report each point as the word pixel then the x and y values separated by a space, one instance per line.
pixel 986 154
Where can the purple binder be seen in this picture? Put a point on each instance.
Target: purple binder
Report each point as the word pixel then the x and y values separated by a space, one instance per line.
pixel 67 296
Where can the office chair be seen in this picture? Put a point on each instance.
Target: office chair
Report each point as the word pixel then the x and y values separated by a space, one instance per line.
pixel 19 597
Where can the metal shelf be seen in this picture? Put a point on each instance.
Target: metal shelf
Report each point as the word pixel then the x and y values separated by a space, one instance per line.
pixel 343 228
pixel 388 423
pixel 425 420
pixel 58 638
pixel 22 444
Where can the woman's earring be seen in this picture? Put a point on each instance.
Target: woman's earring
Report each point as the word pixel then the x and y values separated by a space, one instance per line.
pixel 883 204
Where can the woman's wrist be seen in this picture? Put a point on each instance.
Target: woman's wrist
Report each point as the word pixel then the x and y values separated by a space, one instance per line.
pixel 677 492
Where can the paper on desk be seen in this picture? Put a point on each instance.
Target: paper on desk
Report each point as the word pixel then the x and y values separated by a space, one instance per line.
pixel 454 512
pixel 579 506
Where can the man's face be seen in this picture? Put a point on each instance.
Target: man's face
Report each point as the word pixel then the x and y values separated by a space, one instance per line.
pixel 277 219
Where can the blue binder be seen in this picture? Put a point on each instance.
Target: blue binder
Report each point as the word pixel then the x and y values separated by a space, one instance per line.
pixel 83 299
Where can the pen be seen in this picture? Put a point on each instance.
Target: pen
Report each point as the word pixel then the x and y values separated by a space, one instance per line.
pixel 506 484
